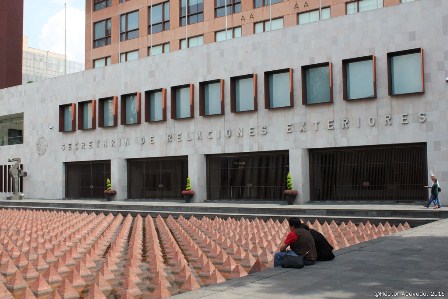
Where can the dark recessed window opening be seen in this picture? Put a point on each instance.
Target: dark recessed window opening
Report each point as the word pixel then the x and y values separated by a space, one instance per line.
pixel 86 115
pixel 159 18
pixel 107 112
pixel 130 109
pixel 102 33
pixel 243 93
pixel 278 89
pixel 67 118
pixel 211 98
pixel 406 72
pixel 182 99
pixel 155 105
pixel 129 26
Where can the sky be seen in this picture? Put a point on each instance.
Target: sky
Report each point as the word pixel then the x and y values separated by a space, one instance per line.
pixel 43 23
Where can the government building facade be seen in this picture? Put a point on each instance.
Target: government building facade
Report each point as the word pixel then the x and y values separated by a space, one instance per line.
pixel 354 107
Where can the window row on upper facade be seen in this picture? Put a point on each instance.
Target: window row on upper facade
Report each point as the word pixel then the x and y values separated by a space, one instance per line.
pixel 159 16
pixel 405 76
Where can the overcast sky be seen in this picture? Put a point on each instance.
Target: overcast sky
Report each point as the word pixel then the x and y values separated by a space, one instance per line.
pixel 44 26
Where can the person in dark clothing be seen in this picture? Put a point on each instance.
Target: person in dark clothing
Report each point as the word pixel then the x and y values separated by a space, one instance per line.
pixel 434 193
pixel 323 248
pixel 300 242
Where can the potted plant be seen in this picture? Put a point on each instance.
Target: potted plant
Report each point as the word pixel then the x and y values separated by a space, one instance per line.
pixel 290 193
pixel 109 192
pixel 188 192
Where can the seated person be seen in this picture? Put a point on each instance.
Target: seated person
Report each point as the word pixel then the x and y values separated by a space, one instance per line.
pixel 300 242
pixel 323 248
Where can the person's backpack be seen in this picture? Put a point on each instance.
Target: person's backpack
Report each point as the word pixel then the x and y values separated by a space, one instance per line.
pixel 292 261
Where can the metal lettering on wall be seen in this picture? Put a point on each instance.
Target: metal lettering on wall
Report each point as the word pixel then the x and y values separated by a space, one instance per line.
pixel 247 132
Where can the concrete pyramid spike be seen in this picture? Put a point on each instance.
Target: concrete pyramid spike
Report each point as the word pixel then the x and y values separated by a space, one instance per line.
pixel 82 269
pixel 8 268
pixel 257 267
pixel 4 257
pixel 406 225
pixel 266 255
pixel 248 261
pixel 61 267
pixel 88 262
pixel 228 265
pixel 56 295
pixel 52 276
pixel 4 293
pixel 220 258
pixel 66 290
pixel 95 292
pixel 102 283
pixel 190 284
pixel 207 269
pixel 2 279
pixel 41 264
pixel 29 272
pixel 40 286
pixel 256 250
pixel 21 261
pixel 128 295
pixel 27 294
pixel 131 288
pixel 75 279
pixel 183 273
pixel 239 254
pixel 16 282
pixel 214 278
pixel 107 274
pixel 160 292
pixel 132 273
pixel 49 257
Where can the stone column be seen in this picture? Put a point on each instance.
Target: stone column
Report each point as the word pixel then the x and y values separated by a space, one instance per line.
pixel 299 168
pixel 197 171
pixel 119 178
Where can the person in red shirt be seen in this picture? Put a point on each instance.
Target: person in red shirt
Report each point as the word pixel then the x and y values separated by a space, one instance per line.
pixel 300 242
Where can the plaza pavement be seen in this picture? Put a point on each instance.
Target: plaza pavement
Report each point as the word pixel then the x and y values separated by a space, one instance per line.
pixel 409 264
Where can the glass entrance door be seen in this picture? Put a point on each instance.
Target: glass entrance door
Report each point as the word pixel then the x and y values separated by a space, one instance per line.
pixel 157 178
pixel 255 176
pixel 86 179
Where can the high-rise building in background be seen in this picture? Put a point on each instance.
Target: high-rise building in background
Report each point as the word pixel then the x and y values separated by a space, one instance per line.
pixel 40 64
pixel 11 31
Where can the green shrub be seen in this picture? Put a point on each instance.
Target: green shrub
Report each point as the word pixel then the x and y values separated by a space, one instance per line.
pixel 108 185
pixel 188 187
pixel 289 181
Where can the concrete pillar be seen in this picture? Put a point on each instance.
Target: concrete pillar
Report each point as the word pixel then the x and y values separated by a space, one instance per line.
pixel 119 178
pixel 299 168
pixel 197 171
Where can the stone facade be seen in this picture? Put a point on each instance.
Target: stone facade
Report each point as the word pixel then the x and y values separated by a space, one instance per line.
pixel 420 24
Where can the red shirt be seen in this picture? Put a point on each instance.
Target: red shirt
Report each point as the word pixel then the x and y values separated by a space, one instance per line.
pixel 291 238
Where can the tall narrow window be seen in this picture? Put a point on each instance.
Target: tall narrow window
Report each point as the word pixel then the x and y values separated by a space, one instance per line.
pixel 243 93
pixel 233 6
pixel 86 115
pixel 317 84
pixel 101 4
pixel 406 72
pixel 67 119
pixel 313 16
pixel 130 109
pixel 102 33
pixel 155 105
pixel 182 101
pixel 359 78
pixel 278 89
pixel 107 112
pixel 159 18
pixel 194 12
pixel 211 98
pixel 129 26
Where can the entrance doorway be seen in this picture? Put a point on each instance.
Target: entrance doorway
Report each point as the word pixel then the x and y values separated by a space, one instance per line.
pixel 386 172
pixel 86 179
pixel 157 178
pixel 254 176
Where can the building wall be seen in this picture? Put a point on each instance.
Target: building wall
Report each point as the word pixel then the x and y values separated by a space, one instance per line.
pixel 288 9
pixel 414 25
pixel 11 30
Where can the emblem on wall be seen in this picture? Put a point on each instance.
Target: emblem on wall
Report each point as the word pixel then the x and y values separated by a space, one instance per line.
pixel 41 146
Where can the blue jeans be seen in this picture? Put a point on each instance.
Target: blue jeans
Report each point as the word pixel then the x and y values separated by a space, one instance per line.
pixel 432 199
pixel 278 258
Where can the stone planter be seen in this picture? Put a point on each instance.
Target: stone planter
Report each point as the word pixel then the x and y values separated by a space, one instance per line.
pixel 290 196
pixel 187 197
pixel 110 194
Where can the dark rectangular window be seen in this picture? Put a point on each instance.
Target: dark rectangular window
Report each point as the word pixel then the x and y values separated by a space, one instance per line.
pixel 211 98
pixel 155 105
pixel 406 72
pixel 194 11
pixel 130 109
pixel 102 33
pixel 108 112
pixel 11 129
pixel 87 115
pixel 260 3
pixel 359 78
pixel 243 93
pixel 233 6
pixel 182 101
pixel 101 4
pixel 129 26
pixel 278 87
pixel 67 118
pixel 317 83
pixel 159 18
